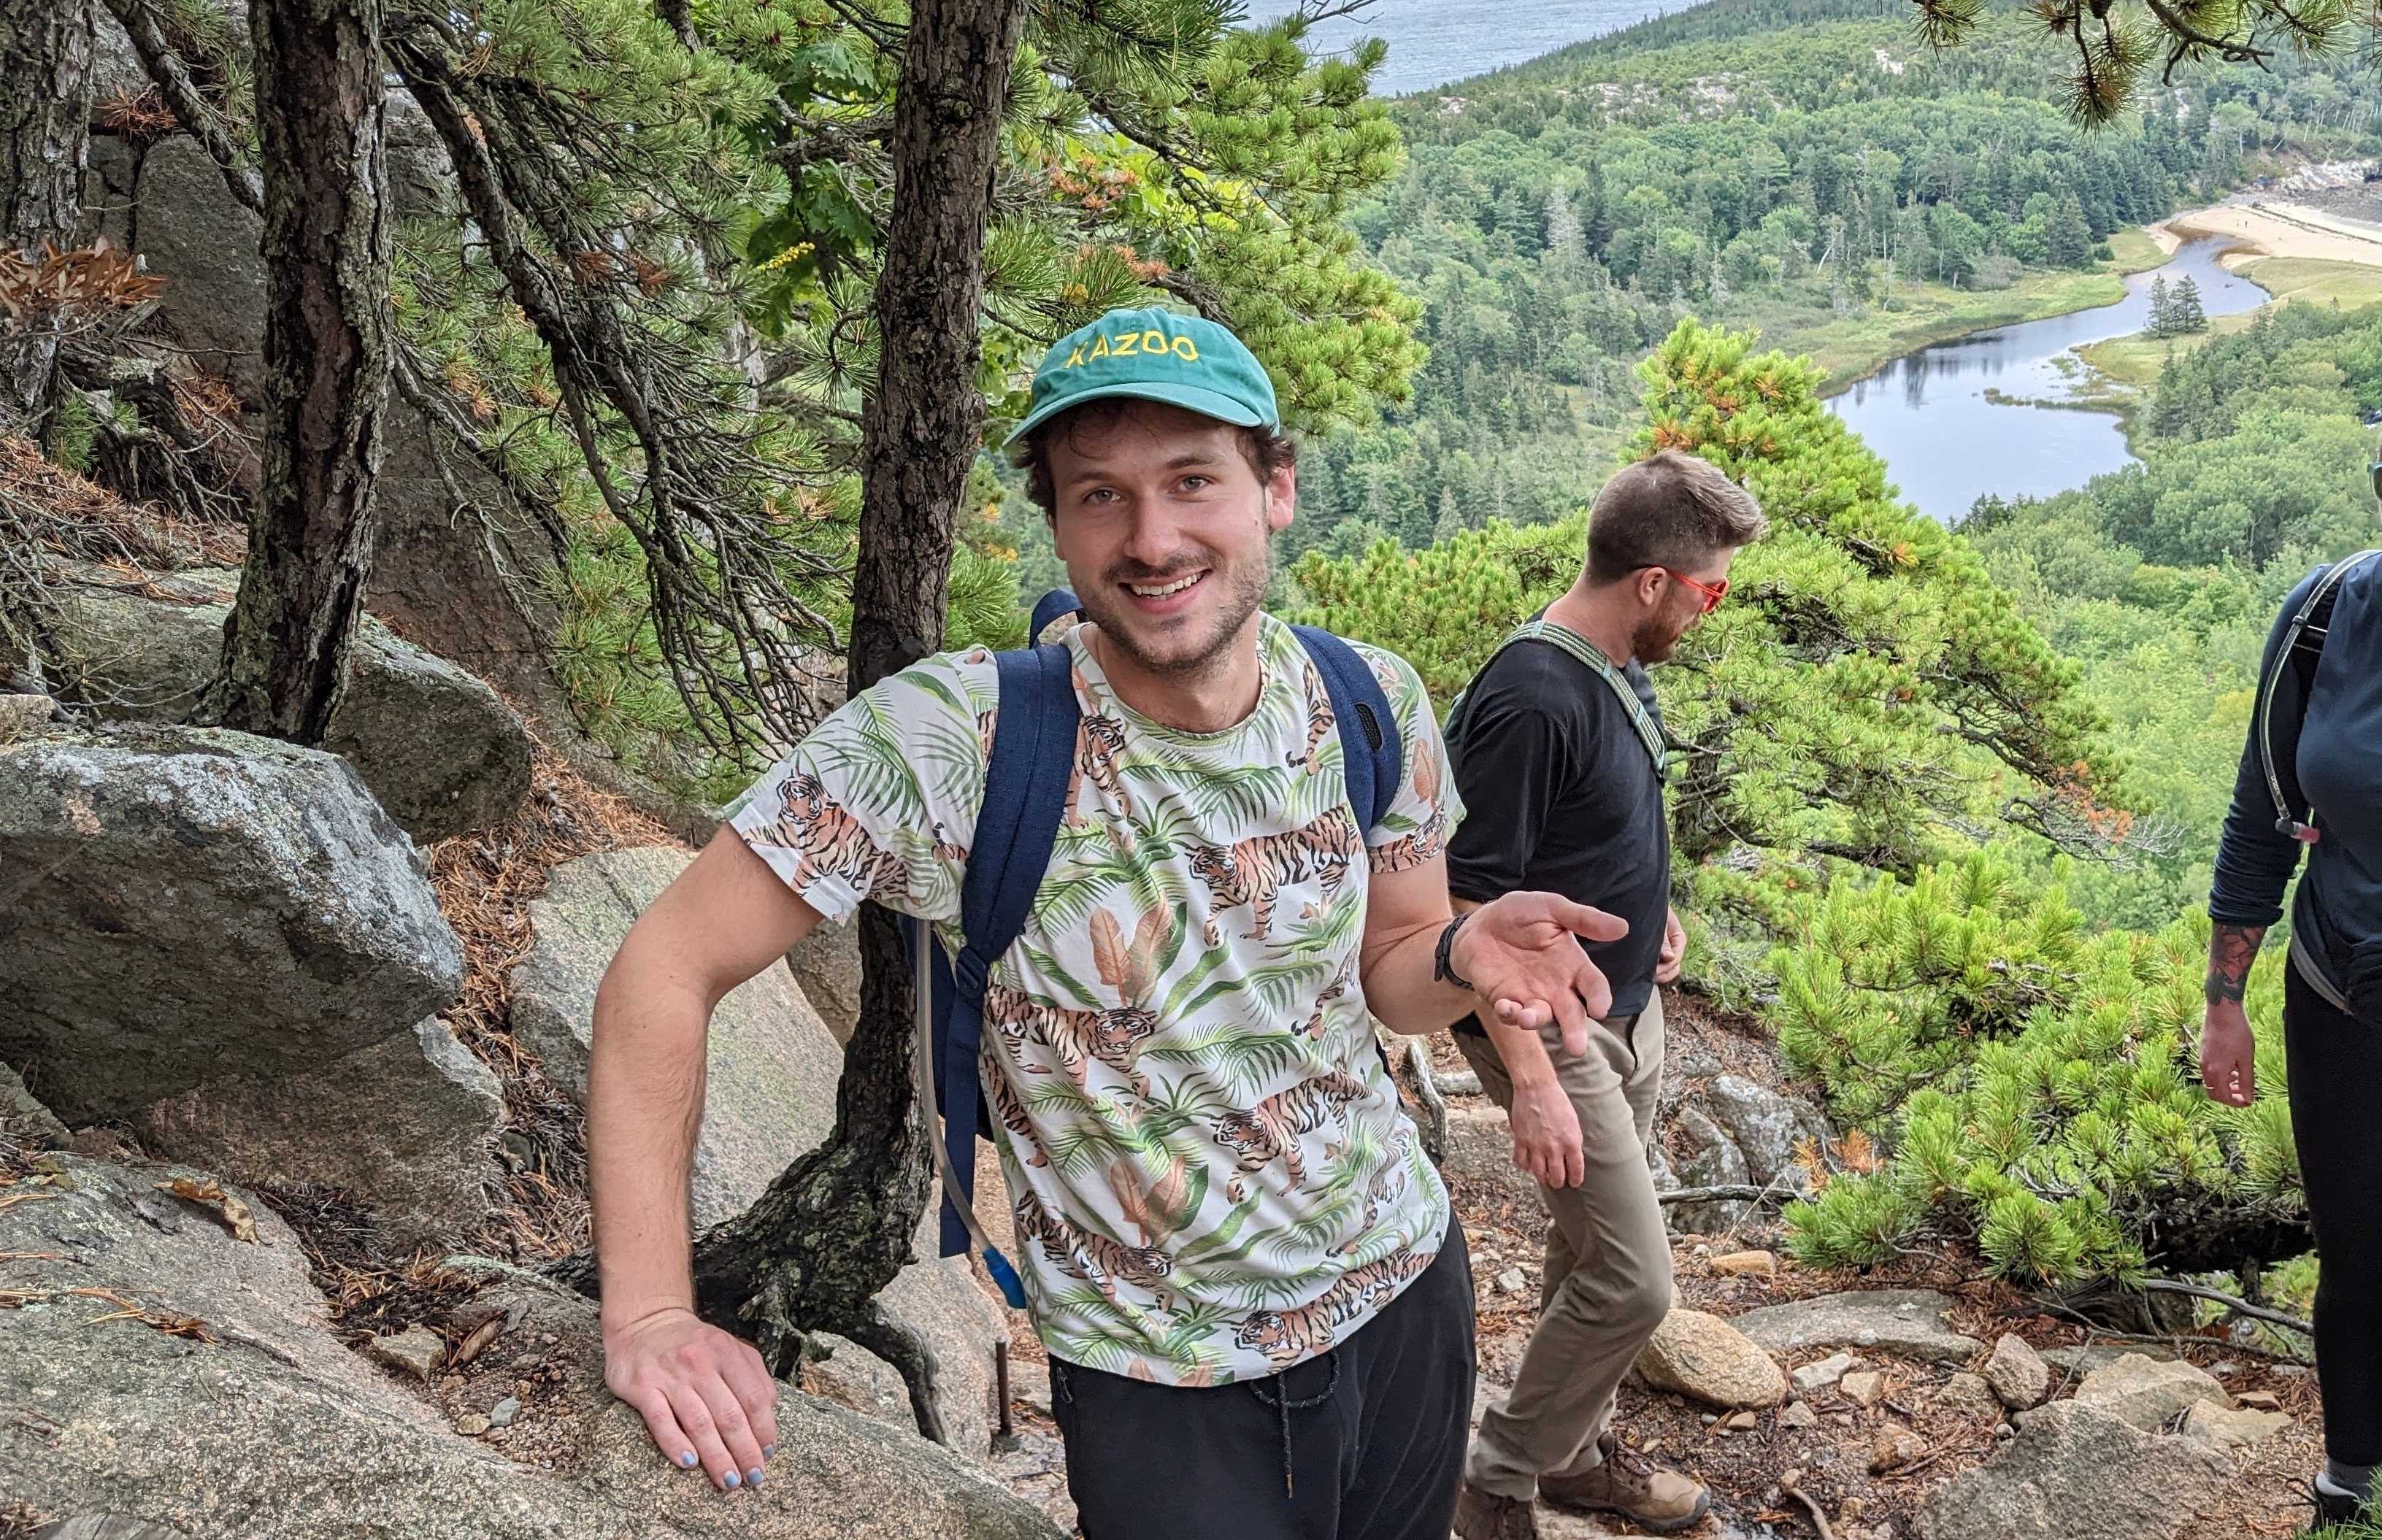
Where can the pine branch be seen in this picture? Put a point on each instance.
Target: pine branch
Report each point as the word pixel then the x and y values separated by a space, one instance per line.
pixel 141 24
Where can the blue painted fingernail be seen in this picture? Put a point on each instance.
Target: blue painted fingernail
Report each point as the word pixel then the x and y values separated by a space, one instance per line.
pixel 753 1476
pixel 769 1451
pixel 732 1481
pixel 686 1458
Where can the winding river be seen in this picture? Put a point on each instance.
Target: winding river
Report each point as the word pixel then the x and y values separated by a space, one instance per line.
pixel 1974 415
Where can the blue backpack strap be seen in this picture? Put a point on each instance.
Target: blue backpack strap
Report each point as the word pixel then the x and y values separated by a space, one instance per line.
pixel 1050 607
pixel 1025 798
pixel 1370 746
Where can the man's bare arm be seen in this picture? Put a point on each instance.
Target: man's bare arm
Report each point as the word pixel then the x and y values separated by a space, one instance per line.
pixel 705 1397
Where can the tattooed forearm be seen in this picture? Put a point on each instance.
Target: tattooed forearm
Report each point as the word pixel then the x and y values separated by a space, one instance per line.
pixel 2231 949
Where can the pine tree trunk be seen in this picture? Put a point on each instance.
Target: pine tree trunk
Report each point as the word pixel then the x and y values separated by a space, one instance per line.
pixel 319 109
pixel 44 135
pixel 835 1228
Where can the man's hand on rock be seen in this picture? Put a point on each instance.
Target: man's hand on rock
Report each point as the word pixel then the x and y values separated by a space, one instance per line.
pixel 706 1396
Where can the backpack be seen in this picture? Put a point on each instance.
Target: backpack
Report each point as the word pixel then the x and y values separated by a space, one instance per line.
pixel 1572 644
pixel 2302 649
pixel 1026 781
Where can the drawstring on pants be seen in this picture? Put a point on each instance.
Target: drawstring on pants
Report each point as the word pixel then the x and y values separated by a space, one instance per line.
pixel 1281 1402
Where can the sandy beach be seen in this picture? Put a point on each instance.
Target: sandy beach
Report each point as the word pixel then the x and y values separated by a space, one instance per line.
pixel 2277 229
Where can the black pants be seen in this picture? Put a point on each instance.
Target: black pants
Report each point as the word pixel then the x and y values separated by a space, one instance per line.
pixel 1365 1442
pixel 2334 1065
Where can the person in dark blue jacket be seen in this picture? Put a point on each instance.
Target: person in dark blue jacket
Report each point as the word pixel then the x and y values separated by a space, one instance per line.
pixel 2324 727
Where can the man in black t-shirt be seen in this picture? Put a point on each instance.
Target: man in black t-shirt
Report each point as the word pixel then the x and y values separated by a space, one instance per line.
pixel 1559 755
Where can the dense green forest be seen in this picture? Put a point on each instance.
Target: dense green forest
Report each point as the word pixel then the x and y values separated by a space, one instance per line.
pixel 1802 168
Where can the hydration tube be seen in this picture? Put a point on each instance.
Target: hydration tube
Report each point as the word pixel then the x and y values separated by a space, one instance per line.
pixel 922 1065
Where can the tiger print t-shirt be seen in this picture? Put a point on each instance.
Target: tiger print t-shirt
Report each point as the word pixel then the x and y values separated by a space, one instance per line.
pixel 1209 1171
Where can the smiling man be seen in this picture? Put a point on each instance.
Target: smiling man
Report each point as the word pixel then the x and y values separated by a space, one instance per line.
pixel 1259 1317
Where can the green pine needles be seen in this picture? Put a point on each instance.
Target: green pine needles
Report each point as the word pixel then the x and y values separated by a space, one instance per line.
pixel 2034 1084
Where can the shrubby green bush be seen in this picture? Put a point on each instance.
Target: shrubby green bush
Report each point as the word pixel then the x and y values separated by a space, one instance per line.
pixel 2031 1081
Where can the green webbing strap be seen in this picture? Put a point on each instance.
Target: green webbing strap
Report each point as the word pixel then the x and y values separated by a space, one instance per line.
pixel 1571 641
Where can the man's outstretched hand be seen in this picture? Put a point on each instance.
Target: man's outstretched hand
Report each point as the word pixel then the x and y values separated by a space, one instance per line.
pixel 706 1396
pixel 1522 954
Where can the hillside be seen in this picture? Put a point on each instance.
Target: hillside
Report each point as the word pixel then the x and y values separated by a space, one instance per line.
pixel 1805 169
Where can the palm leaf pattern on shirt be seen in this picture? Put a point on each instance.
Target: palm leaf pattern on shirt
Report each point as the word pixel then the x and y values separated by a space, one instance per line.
pixel 1120 1164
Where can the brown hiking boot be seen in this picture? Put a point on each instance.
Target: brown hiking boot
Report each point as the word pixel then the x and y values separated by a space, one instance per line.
pixel 1486 1516
pixel 1627 1483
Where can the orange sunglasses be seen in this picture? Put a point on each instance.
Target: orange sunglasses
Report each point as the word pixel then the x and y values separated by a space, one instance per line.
pixel 1712 594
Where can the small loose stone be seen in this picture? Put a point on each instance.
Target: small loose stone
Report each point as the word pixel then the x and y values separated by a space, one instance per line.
pixel 1744 1421
pixel 502 1414
pixel 1511 1281
pixel 1799 1414
pixel 1862 1387
pixel 471 1425
pixel 1744 1263
pixel 1820 1375
pixel 1895 1446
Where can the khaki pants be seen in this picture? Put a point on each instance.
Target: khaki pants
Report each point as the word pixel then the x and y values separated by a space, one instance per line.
pixel 1608 1265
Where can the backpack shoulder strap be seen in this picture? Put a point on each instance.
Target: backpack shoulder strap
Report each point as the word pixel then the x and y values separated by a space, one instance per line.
pixel 1024 798
pixel 2301 652
pixel 1372 749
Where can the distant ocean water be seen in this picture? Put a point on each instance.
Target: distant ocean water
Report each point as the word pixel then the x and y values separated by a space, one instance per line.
pixel 1433 42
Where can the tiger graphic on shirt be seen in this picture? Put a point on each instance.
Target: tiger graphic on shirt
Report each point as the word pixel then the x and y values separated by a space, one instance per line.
pixel 1253 872
pixel 1270 1131
pixel 1287 1336
pixel 828 841
pixel 1319 721
pixel 1100 751
pixel 1001 1097
pixel 1087 1254
pixel 1075 1037
pixel 1336 989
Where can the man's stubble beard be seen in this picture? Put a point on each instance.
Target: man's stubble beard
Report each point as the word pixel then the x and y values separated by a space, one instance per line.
pixel 1244 591
pixel 1653 642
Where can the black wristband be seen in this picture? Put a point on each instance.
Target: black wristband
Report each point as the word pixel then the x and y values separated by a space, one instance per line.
pixel 1442 970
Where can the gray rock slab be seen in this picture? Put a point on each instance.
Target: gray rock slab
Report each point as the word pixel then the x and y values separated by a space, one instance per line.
pixel 1712 1160
pixel 2146 1392
pixel 403 1126
pixel 772 1066
pixel 24 1117
pixel 180 903
pixel 191 234
pixel 1908 1323
pixel 421 176
pixel 2098 1356
pixel 276 1431
pixel 22 715
pixel 2212 1423
pixel 441 751
pixel 1768 1127
pixel 2075 1474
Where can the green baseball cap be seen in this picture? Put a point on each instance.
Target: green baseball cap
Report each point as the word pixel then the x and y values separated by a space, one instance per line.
pixel 1153 355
